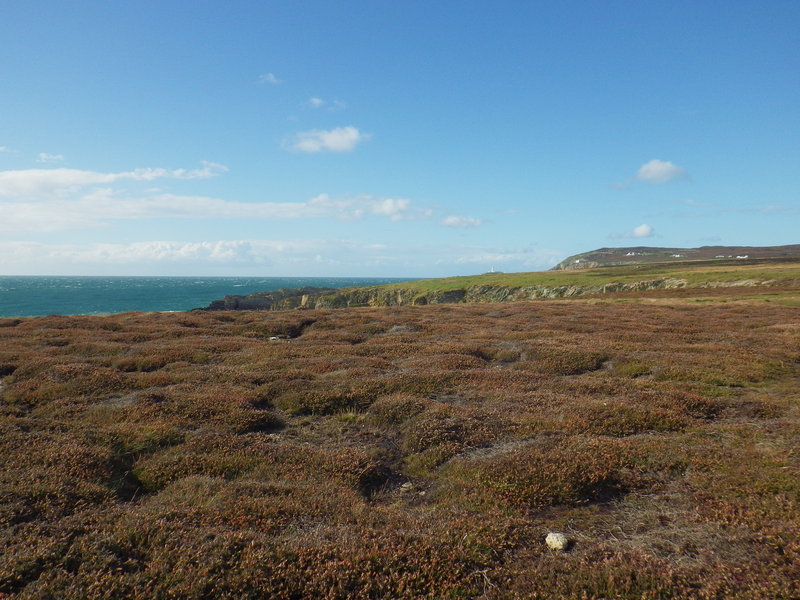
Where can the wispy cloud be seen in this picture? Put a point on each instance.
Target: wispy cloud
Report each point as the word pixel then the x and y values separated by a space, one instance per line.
pixel 331 106
pixel 49 158
pixel 58 199
pixel 713 210
pixel 461 222
pixel 269 78
pixel 771 209
pixel 291 255
pixel 393 208
pixel 340 139
pixel 149 252
pixel 640 231
pixel 61 208
pixel 33 184
pixel 502 258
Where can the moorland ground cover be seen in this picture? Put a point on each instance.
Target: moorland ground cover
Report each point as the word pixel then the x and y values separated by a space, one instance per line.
pixel 407 452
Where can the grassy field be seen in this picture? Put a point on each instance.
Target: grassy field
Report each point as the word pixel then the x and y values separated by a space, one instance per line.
pixel 406 452
pixel 694 273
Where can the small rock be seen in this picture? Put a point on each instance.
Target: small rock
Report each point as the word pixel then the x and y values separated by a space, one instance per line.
pixel 556 541
pixel 407 487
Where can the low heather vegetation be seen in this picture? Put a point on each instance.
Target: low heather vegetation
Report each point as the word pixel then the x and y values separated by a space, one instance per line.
pixel 412 452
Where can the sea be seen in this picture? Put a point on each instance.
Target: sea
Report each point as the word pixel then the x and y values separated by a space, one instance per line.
pixel 35 296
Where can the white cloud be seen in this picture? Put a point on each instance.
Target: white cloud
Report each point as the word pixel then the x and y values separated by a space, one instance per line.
pixel 137 252
pixel 98 207
pixel 5 149
pixel 287 256
pixel 49 158
pixel 269 78
pixel 16 256
pixel 394 208
pixel 59 199
pixel 659 172
pixel 640 231
pixel 459 221
pixel 341 139
pixel 316 102
pixel 35 184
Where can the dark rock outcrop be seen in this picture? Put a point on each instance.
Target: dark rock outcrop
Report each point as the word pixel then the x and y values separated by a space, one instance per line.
pixel 282 299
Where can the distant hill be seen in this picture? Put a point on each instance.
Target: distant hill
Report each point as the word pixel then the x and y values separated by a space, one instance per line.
pixel 609 257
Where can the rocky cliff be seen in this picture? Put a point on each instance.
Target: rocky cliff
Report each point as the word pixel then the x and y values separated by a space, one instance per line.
pixel 308 298
pixel 282 299
pixel 776 266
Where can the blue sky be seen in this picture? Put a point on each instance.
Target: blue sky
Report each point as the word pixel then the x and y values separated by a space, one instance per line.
pixel 407 139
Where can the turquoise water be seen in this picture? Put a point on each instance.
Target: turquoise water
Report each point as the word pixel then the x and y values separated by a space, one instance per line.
pixel 34 296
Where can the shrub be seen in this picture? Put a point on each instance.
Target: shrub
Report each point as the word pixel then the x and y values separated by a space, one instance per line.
pixel 506 355
pixel 433 427
pixel 157 471
pixel 58 381
pixel 561 361
pixel 619 419
pixel 571 362
pixel 237 498
pixel 322 402
pixel 288 325
pixel 395 409
pixel 630 368
pixel 565 471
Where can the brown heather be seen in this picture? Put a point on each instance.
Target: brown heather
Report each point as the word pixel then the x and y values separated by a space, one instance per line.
pixel 263 455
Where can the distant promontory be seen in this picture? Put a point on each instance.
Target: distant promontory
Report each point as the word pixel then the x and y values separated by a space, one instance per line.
pixel 609 257
pixel 621 271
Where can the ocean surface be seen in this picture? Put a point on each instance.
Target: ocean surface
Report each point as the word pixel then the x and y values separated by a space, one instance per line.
pixel 34 296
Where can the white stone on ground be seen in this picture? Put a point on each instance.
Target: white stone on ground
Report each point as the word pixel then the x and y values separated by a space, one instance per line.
pixel 556 541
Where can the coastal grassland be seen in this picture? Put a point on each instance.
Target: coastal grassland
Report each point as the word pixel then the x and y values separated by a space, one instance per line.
pixel 405 452
pixel 694 273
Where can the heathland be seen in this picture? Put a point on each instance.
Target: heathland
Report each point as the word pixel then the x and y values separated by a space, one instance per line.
pixel 409 451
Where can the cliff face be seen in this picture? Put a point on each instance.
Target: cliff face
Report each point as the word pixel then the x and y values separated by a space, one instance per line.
pixel 309 298
pixel 282 299
pixel 527 286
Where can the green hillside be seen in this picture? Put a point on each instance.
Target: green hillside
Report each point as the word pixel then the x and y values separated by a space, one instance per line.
pixel 695 273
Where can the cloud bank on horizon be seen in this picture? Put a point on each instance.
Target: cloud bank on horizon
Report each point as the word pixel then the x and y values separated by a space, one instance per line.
pixel 448 157
pixel 60 199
